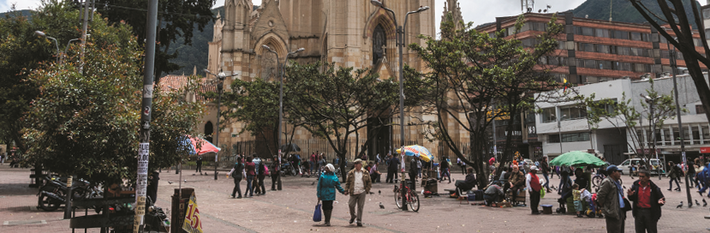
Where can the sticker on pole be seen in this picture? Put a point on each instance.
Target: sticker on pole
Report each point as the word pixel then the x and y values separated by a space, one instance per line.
pixel 143 155
pixel 148 91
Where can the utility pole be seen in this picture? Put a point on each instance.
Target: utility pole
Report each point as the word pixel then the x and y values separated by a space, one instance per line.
pixel 674 66
pixel 143 149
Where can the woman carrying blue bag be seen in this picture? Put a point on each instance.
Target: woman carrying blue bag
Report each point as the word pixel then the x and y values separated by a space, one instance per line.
pixel 327 183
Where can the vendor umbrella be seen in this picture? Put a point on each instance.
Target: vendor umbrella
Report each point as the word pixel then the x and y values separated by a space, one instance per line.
pixel 577 158
pixel 417 150
pixel 200 146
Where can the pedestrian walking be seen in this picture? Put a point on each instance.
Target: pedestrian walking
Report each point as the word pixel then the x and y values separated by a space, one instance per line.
pixel 260 178
pixel 237 173
pixel 611 200
pixel 648 199
pixel 199 164
pixel 675 173
pixel 357 185
pixel 274 170
pixel 444 166
pixel 327 184
pixel 249 166
pixel 532 184
pixel 545 167
pixel 392 165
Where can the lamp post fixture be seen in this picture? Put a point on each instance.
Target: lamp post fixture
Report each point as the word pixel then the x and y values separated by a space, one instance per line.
pixel 42 34
pixel 281 95
pixel 220 86
pixel 400 45
pixel 60 56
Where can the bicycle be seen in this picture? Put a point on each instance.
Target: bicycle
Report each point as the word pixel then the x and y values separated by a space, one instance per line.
pixel 597 180
pixel 411 198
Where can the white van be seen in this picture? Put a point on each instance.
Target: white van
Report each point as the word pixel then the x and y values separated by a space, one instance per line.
pixel 626 165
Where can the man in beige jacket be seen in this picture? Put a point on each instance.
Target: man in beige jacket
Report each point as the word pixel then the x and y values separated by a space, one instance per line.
pixel 357 184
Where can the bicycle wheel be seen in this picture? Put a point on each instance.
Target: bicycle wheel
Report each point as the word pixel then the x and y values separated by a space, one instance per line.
pixel 398 198
pixel 413 201
pixel 596 181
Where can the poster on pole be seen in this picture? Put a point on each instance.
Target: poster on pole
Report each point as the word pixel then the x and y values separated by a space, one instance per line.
pixel 192 223
pixel 402 163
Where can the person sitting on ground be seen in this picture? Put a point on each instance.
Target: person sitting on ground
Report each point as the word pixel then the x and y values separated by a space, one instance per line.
pixel 493 194
pixel 468 184
pixel 516 180
pixel 374 173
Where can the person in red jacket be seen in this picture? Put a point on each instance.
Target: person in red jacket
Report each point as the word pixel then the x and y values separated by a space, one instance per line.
pixel 532 183
pixel 648 199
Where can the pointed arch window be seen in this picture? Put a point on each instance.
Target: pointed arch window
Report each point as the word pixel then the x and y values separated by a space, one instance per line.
pixel 378 43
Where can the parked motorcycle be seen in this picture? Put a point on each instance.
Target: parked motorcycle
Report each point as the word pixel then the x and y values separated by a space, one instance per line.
pixel 289 169
pixel 53 191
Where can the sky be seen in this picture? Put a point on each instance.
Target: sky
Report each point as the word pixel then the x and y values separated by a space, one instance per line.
pixel 471 10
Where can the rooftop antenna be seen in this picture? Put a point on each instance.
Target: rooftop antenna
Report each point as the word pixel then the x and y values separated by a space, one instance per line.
pixel 526 6
pixel 610 8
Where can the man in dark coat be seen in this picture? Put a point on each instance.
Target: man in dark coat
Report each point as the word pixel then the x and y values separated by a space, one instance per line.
pixel 648 199
pixel 392 166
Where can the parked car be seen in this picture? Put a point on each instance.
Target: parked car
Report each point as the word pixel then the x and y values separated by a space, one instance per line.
pixel 640 163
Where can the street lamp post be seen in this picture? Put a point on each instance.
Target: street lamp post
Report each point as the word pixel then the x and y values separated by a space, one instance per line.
pixel 220 87
pixel 400 45
pixel 674 66
pixel 281 95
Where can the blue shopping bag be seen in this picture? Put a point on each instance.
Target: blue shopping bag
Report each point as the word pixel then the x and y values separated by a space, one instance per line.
pixel 317 213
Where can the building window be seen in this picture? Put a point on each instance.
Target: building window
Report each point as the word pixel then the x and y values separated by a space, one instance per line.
pixel 586 31
pixel 572 113
pixel 699 109
pixel 636 36
pixel 621 35
pixel 379 41
pixel 590 64
pixel 602 33
pixel 602 48
pixel 568 137
pixel 548 115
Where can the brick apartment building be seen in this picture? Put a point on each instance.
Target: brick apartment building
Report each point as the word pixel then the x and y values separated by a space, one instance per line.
pixel 589 51
pixel 592 51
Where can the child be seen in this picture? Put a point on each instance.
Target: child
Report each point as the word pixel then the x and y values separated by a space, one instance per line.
pixel 576 194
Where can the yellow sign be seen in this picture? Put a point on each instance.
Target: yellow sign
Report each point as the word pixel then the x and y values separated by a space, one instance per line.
pixel 501 116
pixel 192 223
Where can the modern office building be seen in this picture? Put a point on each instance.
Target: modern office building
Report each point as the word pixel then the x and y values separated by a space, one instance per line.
pixel 612 138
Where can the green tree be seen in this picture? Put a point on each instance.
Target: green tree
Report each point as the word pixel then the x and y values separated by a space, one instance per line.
pixel 680 36
pixel 334 103
pixel 475 74
pixel 624 116
pixel 21 51
pixel 176 20
pixel 256 104
pixel 87 123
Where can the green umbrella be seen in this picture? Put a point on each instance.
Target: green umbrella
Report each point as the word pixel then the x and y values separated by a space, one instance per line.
pixel 578 159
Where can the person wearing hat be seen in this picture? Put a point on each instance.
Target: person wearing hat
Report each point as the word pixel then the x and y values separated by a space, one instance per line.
pixel 532 184
pixel 611 200
pixel 327 184
pixel 357 185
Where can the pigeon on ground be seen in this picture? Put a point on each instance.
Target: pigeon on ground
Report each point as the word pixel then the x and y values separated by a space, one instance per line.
pixel 313 183
pixel 680 206
pixel 381 206
pixel 705 203
pixel 380 192
pixel 193 174
pixel 170 182
pixel 185 181
pixel 697 203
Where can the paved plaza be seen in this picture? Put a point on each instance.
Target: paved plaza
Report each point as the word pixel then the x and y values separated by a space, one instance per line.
pixel 291 210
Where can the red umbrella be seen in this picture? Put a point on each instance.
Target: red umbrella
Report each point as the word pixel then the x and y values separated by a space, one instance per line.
pixel 203 145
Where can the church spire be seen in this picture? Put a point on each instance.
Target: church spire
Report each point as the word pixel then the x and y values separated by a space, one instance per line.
pixel 453 7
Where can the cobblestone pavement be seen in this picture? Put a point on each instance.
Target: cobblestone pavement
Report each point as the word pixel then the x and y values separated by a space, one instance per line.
pixel 291 210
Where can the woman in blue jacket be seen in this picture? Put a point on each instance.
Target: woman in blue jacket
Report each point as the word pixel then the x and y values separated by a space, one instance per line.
pixel 327 183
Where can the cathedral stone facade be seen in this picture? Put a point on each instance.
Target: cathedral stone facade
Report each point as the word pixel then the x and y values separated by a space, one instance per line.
pixel 349 33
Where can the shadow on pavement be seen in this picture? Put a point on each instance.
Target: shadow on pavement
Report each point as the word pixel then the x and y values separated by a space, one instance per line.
pixel 16 189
